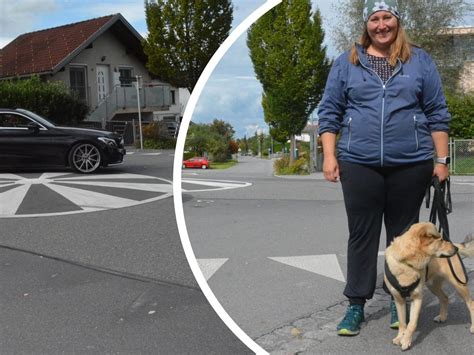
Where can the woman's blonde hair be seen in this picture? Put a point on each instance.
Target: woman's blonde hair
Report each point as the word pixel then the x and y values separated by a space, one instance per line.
pixel 400 48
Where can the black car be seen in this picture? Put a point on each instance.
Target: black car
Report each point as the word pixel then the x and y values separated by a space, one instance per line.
pixel 29 140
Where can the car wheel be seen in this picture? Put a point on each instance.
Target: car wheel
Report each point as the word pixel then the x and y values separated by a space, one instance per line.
pixel 204 166
pixel 85 158
pixel 184 166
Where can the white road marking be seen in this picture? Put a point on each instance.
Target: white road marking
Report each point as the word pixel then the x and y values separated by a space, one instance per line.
pixel 52 175
pixel 12 199
pixel 84 198
pixel 381 253
pixel 215 184
pixel 10 177
pixel 210 266
pixel 108 177
pixel 165 188
pixel 325 265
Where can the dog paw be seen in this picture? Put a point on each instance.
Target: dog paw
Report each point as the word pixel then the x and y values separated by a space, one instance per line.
pixel 397 340
pixel 405 344
pixel 439 319
pixel 472 330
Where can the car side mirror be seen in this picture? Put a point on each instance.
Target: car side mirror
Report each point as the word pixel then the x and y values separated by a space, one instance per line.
pixel 34 127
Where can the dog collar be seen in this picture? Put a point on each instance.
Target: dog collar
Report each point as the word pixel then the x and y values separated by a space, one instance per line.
pixel 404 291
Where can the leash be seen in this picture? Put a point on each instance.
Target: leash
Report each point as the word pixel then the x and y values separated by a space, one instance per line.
pixel 441 207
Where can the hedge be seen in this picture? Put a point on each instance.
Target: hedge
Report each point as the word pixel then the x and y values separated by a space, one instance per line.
pixel 52 100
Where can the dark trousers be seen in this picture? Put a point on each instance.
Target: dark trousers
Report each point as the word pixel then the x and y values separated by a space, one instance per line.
pixel 372 195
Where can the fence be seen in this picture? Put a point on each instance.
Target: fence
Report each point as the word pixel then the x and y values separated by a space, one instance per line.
pixel 461 152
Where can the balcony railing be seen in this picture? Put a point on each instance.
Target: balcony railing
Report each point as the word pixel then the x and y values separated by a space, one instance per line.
pixel 124 99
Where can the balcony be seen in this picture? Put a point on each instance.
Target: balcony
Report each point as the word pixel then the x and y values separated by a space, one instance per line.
pixel 123 100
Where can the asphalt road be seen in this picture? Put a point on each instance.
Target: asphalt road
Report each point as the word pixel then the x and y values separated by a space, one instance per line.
pixel 94 264
pixel 274 254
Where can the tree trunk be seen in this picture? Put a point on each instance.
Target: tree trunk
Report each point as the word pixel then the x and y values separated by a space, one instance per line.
pixel 292 149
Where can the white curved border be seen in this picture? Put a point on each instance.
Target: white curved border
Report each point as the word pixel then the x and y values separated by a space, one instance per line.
pixel 178 158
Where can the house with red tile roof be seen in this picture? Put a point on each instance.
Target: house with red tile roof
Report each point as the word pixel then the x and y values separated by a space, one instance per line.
pixel 99 59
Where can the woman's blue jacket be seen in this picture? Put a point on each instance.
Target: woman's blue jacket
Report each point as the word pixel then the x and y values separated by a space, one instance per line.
pixel 384 125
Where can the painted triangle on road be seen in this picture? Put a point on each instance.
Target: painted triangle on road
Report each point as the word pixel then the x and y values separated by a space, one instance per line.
pixel 210 266
pixel 325 265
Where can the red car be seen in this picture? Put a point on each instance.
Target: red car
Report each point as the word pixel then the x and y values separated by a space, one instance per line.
pixel 196 162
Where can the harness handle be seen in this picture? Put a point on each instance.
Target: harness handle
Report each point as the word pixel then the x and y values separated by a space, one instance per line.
pixel 441 207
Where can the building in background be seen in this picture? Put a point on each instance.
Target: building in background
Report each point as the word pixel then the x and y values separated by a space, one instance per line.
pixel 463 44
pixel 99 60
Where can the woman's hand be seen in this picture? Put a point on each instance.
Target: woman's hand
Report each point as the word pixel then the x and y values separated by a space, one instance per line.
pixel 441 171
pixel 331 168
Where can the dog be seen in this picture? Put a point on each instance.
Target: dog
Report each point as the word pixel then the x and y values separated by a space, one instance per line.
pixel 417 257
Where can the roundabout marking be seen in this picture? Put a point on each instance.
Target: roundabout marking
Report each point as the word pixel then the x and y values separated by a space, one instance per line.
pixel 72 193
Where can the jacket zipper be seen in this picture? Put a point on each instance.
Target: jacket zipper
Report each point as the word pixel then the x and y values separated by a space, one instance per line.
pixel 350 134
pixel 383 102
pixel 416 131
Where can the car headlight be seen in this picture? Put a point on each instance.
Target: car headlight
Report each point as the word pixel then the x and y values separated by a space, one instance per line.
pixel 108 141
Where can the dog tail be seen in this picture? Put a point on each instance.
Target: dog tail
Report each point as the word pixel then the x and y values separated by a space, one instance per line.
pixel 466 248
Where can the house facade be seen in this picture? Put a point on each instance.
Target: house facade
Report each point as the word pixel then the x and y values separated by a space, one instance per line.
pixel 99 60
pixel 463 44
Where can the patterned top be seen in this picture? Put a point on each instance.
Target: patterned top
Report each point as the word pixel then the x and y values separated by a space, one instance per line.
pixel 381 66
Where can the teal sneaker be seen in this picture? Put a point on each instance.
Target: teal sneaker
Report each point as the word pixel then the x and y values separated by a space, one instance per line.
pixel 394 324
pixel 350 325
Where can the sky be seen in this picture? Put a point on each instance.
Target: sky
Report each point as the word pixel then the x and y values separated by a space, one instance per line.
pixel 232 93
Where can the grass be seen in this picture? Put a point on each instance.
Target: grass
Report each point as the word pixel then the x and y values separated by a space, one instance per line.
pixel 464 165
pixel 225 165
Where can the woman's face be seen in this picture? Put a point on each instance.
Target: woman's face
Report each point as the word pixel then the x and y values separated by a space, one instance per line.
pixel 382 27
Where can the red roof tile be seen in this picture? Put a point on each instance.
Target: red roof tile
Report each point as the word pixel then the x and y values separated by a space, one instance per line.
pixel 41 51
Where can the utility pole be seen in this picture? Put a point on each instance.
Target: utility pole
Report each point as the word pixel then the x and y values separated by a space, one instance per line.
pixel 138 77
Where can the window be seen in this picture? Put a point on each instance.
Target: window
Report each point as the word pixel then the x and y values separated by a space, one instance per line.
pixel 11 120
pixel 126 75
pixel 77 78
pixel 173 97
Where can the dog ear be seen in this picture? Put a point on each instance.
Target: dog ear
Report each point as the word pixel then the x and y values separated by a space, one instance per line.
pixel 429 229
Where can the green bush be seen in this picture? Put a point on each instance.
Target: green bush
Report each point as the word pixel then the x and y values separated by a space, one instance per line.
pixel 52 100
pixel 167 143
pixel 156 136
pixel 461 108
pixel 282 166
pixel 188 155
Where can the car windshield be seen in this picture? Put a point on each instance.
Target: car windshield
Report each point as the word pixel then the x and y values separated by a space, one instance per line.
pixel 38 118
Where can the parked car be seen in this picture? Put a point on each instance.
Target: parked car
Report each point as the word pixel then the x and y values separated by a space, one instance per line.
pixel 29 140
pixel 196 162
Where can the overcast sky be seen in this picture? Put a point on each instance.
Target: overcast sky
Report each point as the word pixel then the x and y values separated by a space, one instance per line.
pixel 232 92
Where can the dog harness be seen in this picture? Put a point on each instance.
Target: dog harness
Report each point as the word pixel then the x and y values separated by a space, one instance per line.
pixel 404 291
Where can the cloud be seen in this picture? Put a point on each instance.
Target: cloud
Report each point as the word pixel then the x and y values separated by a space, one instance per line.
pixel 21 16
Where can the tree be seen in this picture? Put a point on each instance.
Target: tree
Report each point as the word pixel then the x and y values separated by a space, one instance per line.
pixel 215 138
pixel 425 22
pixel 183 36
pixel 290 61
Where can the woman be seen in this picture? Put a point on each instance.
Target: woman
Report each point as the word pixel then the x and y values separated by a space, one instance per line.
pixel 385 99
